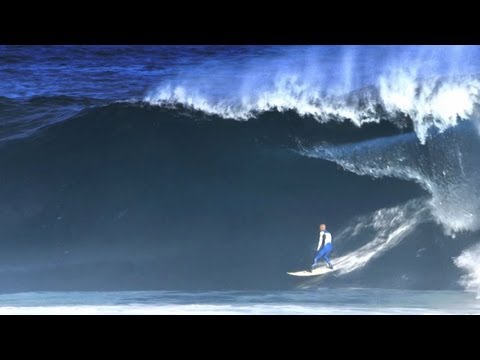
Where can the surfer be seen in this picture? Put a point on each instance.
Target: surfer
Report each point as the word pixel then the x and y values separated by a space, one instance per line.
pixel 324 247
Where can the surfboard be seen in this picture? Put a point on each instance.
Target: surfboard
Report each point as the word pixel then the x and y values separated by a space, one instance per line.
pixel 318 271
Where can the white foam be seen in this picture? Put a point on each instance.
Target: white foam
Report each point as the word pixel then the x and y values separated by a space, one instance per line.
pixel 255 309
pixel 434 102
pixel 469 261
pixel 388 227
pixel 391 227
pixel 449 173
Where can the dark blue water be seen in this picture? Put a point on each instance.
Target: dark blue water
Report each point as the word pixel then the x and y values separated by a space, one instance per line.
pixel 106 72
pixel 125 72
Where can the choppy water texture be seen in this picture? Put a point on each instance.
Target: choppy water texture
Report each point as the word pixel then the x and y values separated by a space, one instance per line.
pixel 322 302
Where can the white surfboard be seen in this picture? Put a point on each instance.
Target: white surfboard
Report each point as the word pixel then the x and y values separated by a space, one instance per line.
pixel 318 271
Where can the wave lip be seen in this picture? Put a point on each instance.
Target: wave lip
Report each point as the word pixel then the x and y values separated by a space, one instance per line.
pixel 436 102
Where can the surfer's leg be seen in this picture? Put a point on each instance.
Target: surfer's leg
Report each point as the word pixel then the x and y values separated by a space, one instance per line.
pixel 317 258
pixel 328 250
pixel 327 260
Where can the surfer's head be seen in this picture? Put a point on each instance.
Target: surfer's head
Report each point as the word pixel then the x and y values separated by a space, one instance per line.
pixel 322 227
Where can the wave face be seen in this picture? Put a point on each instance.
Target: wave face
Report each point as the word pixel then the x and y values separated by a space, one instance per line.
pixel 125 168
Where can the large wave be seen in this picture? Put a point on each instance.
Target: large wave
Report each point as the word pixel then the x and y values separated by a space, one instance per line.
pixel 133 192
pixel 171 184
pixel 129 196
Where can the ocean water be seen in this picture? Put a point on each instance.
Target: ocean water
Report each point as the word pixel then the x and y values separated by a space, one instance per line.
pixel 346 301
pixel 128 172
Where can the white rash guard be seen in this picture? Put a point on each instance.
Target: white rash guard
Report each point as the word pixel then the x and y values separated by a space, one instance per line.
pixel 328 239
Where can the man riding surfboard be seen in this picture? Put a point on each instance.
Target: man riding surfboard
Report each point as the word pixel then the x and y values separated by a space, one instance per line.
pixel 324 247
